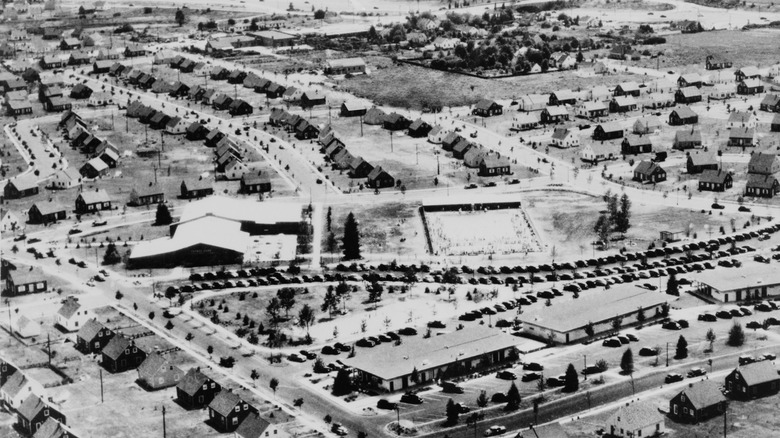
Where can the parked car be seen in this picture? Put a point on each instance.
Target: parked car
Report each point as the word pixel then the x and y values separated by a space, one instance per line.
pixel 533 366
pixel 411 398
pixel 671 325
pixel 386 404
pixel 709 317
pixel 451 388
pixel 717 206
pixel 648 351
pixel 723 314
pixel 506 375
pixel 495 430
pixel 696 372
pixel 295 358
pixel 611 342
pixel 673 377
pixel 746 359
pixel 530 376
pixel 338 429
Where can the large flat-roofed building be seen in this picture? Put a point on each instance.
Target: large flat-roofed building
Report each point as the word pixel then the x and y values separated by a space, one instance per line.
pixel 344 66
pixel 471 202
pixel 255 217
pixel 273 38
pixel 390 367
pixel 565 322
pixel 752 281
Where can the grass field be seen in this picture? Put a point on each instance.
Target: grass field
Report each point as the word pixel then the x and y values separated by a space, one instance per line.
pixel 12 162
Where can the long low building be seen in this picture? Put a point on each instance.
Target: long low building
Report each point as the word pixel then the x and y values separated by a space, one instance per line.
pixel 390 367
pixel 752 281
pixel 566 321
pixel 470 202
pixel 255 217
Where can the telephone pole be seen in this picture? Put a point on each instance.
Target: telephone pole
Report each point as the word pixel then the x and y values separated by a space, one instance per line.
pixel 163 415
pixel 101 384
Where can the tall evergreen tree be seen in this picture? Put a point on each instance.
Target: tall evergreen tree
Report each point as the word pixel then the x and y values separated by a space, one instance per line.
pixel 342 384
pixel 672 287
pixel 682 348
pixel 627 362
pixel 512 398
pixel 572 380
pixel 111 257
pixel 163 215
pixel 736 335
pixel 452 413
pixel 351 241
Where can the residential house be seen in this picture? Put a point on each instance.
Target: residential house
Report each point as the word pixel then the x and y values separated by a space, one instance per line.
pixel 254 426
pixel 240 107
pixel 179 89
pixel 526 121
pixel 196 189
pixel 312 98
pixel 379 178
pixel 450 140
pixel 395 122
pixel 461 147
pixel 699 161
pixel 649 172
pixel 177 126
pixel 608 131
pixel 133 50
pixel 157 372
pixel 93 201
pixel 26 328
pixel 494 165
pixel 20 187
pixel 196 390
pixel 627 89
pixel 46 212
pixel 746 73
pixel 70 44
pixel 305 130
pixel 715 180
pixel 757 379
pixel 683 116
pixel 92 337
pixel 345 66
pixel 741 119
pixel 599 151
pixel 342 159
pixel 688 95
pixel 374 116
pixel 770 103
pixel 564 138
pixel 17 388
pixel 592 109
pixel 94 168
pixel 487 108
pixel 196 131
pixel 599 93
pixel 562 97
pixel 79 58
pixel 148 195
pixel 690 80
pixel 213 137
pixel 52 428
pixel 532 102
pixel 716 62
pixel 360 168
pixel 437 134
pixel 255 182
pixel 741 137
pixel 764 186
pixel 687 139
pixel 7 369
pixel 227 411
pixel 418 129
pixel 774 125
pixel 750 86
pixel 236 77
pixel 121 354
pixel 104 66
pixel 222 102
pixel 353 109
pixel 622 104
pixel 636 144
pixel 9 222
pixel 33 412
pixel 555 114
pixel 762 163
pixel 637 419
pixel 72 316
pixel 18 107
pixel 80 91
pixel 697 402
pixel 722 92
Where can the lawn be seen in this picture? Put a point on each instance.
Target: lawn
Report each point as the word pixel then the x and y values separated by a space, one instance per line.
pixel 12 162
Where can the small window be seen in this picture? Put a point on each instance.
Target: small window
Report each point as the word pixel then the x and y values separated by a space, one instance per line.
pixel 246 407
pixel 674 408
pixel 205 387
pixel 45 412
pixel 682 397
pixel 235 421
pixel 238 408
pixel 685 411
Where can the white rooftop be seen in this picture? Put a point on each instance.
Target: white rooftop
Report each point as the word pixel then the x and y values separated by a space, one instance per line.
pixel 242 210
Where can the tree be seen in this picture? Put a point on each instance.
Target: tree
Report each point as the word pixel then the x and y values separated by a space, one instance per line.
pixel 512 398
pixel 274 383
pixel 682 348
pixel 306 319
pixel 602 228
pixel 328 216
pixel 82 11
pixel 286 297
pixel 375 291
pixel 736 335
pixel 623 214
pixel 672 287
pixel 272 309
pixel 180 18
pixel 351 241
pixel 169 325
pixel 330 303
pixel 627 362
pixel 572 380
pixel 163 215
pixel 112 256
pixel 452 413
pixel 342 384
pixel 319 14
pixel 209 349
pixel 640 315
pixel 616 323
pixel 710 336
pixel 372 34
pixel 589 329
pixel 415 377
pixel 482 399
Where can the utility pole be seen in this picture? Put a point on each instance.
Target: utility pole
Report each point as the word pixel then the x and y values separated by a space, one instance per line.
pixel 101 384
pixel 585 365
pixel 162 141
pixel 391 141
pixel 361 125
pixel 163 415
pixel 725 423
pixel 48 347
pixel 667 354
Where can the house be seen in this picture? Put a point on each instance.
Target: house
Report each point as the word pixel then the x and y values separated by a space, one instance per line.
pixel 622 104
pixel 627 89
pixel 92 337
pixel 177 126
pixel 292 95
pixel 70 44
pixel 746 73
pixel 305 130
pixel 599 93
pixel 460 148
pixel 196 131
pixel 591 109
pixel 690 80
pixel 71 316
pixel 312 98
pixel 92 201
pixel 46 212
pixel 564 138
pixel 255 182
pixel 621 52
pixel 133 50
pixel 52 428
pixel 18 107
pixel 196 390
pixel 683 116
pixel 741 137
pixel 741 119
pixel 715 180
pixel 17 388
pixel 699 161
pixel 595 152
pixel 196 189
pixel 395 122
pixel 57 104
pixel 379 178
pixel 770 103
pixel 636 144
pixel 764 186
pixel 121 354
pixel 474 156
pixel 94 168
pixel 352 109
pixel 360 168
pixel 688 95
pixel 757 379
pixel 26 328
pixel 418 129
pixel 196 92
pixel 722 92
pixel 494 166
pixel 9 222
pixel 437 134
pixel 79 58
pixel 222 102
pixel 213 137
pixel 687 139
pixel 637 419
pixel 649 172
pixel 33 412
pixel 698 402
pixel 345 66
pixel 236 77
pixel 342 159
pixel 555 114
pixel 442 43
pixel 374 116
pixel 532 102
pixel 562 97
pixel 716 62
pixel 20 187
pixel 334 147
pixel 179 89
pixel 157 372
pixel 450 140
pixel 240 107
pixel 526 121
pixel 274 90
pixel 6 371
pixel 234 169
pixel 608 131
pixel 100 99
pixel 487 108
pixel 254 426
pixel 227 411
pixel 80 91
pixel 750 86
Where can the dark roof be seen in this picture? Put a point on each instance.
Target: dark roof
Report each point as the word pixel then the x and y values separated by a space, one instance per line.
pixel 703 394
pixel 761 181
pixel 116 346
pixel 376 173
pixel 192 381
pixel 647 167
pixel 30 407
pixel 224 402
pixel 713 176
pixel 90 329
pixel 253 426
pixel 485 104
pixel 638 140
pixel 69 307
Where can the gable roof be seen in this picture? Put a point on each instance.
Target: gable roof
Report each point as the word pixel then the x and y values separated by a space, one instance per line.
pixel 192 381
pixel 761 181
pixel 31 406
pixel 687 135
pixel 633 416
pixel 154 364
pixel 24 182
pixel 740 132
pixel 611 127
pixel 224 402
pixel 647 168
pixel 52 428
pixel 253 426
pixel 701 158
pixel 684 112
pixel 116 346
pixel 485 104
pixel 629 86
pixel 713 176
pixel 14 384
pixel 69 308
pixel 93 197
pixel 557 110
pixel 637 140
pixel 740 117
pixel 703 393
pixel 761 161
pixel 758 372
pixel 90 329
pixel 561 133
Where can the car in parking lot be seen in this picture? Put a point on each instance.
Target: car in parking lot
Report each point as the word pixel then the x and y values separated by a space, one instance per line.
pixel 554 382
pixel 411 398
pixel 648 351
pixel 631 337
pixel 671 325
pixel 495 430
pixel 744 209
pixel 612 342
pixel 506 375
pixel 745 311
pixel 723 314
pixel 761 259
pixel 533 366
pixel 530 376
pixel 673 377
pixel 308 354
pixel 709 317
pixel 746 359
pixel 383 403
pixel 717 206
pixel 339 430
pixel 696 372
